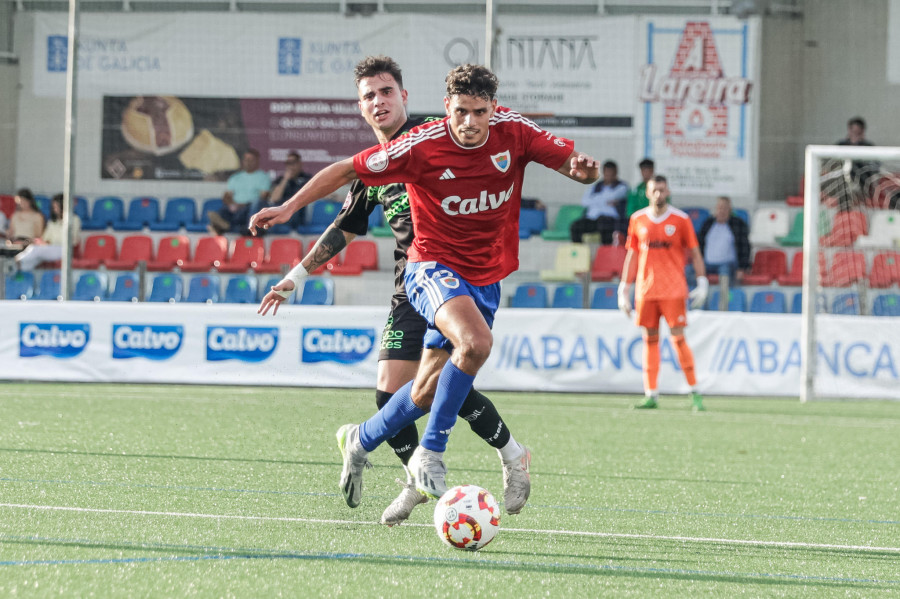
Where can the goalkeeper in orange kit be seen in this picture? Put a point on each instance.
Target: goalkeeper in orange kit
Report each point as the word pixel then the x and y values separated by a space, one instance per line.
pixel 657 239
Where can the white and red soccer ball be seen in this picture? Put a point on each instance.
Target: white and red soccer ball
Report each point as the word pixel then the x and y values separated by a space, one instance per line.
pixel 467 517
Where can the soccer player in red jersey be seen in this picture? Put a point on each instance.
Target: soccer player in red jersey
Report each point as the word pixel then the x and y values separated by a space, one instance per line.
pixel 657 238
pixel 464 176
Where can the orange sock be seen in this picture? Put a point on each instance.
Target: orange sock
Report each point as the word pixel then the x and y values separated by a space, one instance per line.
pixel 685 358
pixel 651 363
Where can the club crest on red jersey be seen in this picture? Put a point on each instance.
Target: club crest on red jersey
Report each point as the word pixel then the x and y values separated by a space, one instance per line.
pixel 501 161
pixel 670 230
pixel 377 162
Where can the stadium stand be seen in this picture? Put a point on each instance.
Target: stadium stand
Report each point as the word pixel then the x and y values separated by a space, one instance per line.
pixel 166 288
pixel 884 230
pixel 7 205
pixel 317 291
pixel 846 303
pixel 179 212
pixel 564 218
pixel 173 250
pixel 886 304
pixel 210 253
pixel 81 208
pixel 360 255
pixel 203 288
pixel 794 277
pixel 569 295
pixel 97 250
pixel 105 212
pixel 19 285
pixel 43 203
pixel 698 216
pixel 126 288
pixel 847 267
pixel 797 303
pixel 142 212
pixel 246 253
pixel 742 214
pixel 767 266
pixel 530 295
pixel 737 300
pixel 202 222
pixel 323 213
pixel 885 270
pixel 605 297
pixel 571 260
pixel 846 227
pixel 769 224
pixel 608 263
pixel 282 251
pixel 135 248
pixel 49 287
pixel 531 222
pixel 241 289
pixel 92 286
pixel 769 301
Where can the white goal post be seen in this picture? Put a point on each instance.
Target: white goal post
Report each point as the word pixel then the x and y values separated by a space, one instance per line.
pixel 859 171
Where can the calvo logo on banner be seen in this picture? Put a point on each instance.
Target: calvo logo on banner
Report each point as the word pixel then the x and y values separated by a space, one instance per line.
pixel 247 344
pixel 57 340
pixel 344 346
pixel 151 341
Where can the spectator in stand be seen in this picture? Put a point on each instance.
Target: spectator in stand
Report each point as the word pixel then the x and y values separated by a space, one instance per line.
pixel 244 189
pixel 27 222
pixel 856 133
pixel 48 247
pixel 724 242
pixel 604 206
pixel 286 186
pixel 637 197
pixel 861 170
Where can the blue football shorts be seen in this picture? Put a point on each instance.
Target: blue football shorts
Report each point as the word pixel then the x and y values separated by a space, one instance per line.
pixel 430 284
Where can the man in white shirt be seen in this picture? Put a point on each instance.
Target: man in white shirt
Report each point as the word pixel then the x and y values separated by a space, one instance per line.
pixel 604 206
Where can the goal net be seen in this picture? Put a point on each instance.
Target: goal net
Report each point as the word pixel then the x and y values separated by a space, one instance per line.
pixel 851 271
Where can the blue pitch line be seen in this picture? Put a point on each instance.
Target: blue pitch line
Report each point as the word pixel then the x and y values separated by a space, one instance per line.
pixel 555 507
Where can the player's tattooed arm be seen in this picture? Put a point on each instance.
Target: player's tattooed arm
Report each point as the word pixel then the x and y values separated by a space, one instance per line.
pixel 329 245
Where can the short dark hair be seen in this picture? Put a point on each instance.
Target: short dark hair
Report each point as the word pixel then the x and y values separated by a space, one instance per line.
pixel 660 179
pixel 472 80
pixel 295 154
pixel 26 195
pixel 646 163
pixel 252 151
pixel 610 164
pixel 857 120
pixel 374 65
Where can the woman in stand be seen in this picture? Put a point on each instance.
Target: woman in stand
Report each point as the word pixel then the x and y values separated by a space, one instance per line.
pixel 27 222
pixel 48 247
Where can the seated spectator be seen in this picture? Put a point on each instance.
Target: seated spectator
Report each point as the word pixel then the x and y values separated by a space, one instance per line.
pixel 286 186
pixel 244 189
pixel 604 206
pixel 724 242
pixel 27 222
pixel 856 133
pixel 861 171
pixel 48 247
pixel 637 197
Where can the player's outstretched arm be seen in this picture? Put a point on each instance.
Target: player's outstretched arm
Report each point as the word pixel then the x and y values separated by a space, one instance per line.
pixel 325 182
pixel 329 245
pixel 580 167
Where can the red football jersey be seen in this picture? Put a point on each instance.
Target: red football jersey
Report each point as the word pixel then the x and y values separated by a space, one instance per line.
pixel 659 242
pixel 465 201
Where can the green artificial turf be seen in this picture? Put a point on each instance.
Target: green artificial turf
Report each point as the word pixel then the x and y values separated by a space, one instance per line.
pixel 177 491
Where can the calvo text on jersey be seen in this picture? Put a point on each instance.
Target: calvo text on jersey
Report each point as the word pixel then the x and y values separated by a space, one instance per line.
pixel 455 205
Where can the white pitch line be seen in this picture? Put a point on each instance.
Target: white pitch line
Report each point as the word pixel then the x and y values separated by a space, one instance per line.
pixel 576 533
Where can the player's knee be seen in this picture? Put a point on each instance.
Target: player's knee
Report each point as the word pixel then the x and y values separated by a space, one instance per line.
pixel 473 353
pixel 651 337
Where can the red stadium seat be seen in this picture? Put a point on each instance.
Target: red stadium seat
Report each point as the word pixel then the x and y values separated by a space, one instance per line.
pixel 246 253
pixel 885 270
pixel 173 251
pixel 210 253
pixel 135 248
pixel 847 226
pixel 767 266
pixel 608 262
pixel 98 249
pixel 7 205
pixel 846 268
pixel 794 277
pixel 281 251
pixel 360 255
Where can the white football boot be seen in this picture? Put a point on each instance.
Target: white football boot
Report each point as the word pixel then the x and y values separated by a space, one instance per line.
pixel 516 481
pixel 429 471
pixel 355 461
pixel 401 508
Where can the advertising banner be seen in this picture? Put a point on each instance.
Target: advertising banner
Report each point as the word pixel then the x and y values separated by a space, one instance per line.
pixel 562 351
pixel 698 108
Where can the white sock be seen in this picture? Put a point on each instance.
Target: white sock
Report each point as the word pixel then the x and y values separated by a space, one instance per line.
pixel 511 451
pixel 654 394
pixel 409 477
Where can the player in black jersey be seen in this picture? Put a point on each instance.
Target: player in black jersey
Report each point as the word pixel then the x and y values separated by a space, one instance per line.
pixel 382 101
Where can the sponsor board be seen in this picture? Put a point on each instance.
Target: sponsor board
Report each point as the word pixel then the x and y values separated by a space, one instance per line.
pixel 150 341
pixel 344 346
pixel 57 340
pixel 246 344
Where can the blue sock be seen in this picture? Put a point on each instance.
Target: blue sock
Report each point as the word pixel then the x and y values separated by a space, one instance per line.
pixel 452 388
pixel 389 420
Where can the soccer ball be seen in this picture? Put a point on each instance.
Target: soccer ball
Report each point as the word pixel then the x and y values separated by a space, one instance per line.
pixel 467 517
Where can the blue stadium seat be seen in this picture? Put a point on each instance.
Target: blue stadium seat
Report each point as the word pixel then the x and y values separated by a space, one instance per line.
pixel 570 295
pixel 698 216
pixel 166 288
pixel 531 222
pixel 43 203
pixel 180 212
pixel 797 303
pixel 81 208
pixel 376 219
pixel 241 290
pixel 106 211
pixel 210 205
pixel 772 302
pixel 49 288
pixel 204 288
pixel 317 291
pixel 887 304
pixel 846 304
pixel 126 289
pixel 323 213
pixel 142 212
pixel 742 214
pixel 530 295
pixel 92 286
pixel 605 297
pixel 737 300
pixel 19 285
